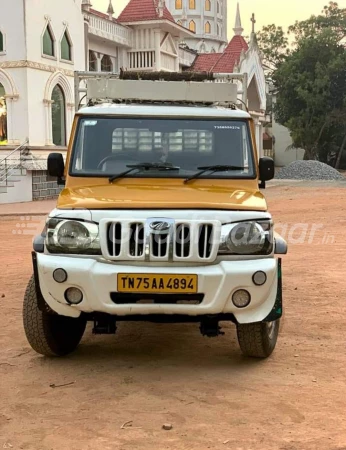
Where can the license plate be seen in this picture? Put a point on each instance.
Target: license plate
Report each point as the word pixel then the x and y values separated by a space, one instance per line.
pixel 157 284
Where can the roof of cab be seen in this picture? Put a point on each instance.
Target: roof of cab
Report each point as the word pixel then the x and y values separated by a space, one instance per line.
pixel 111 109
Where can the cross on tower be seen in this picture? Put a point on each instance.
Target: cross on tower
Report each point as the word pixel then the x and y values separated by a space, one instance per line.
pixel 253 20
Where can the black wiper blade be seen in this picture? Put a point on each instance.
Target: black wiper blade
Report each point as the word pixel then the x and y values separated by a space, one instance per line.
pixel 143 166
pixel 212 169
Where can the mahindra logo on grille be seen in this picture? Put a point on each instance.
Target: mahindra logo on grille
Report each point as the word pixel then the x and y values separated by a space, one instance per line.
pixel 160 226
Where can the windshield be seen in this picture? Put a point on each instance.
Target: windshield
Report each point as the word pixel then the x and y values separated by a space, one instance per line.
pixel 106 147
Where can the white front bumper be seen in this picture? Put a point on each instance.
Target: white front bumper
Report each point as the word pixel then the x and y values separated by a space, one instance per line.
pixel 98 280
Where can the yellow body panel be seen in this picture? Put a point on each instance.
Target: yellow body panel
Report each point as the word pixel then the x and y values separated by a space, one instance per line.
pixel 137 193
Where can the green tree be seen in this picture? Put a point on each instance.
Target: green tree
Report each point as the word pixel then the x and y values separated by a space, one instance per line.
pixel 311 90
pixel 332 18
pixel 307 68
pixel 273 42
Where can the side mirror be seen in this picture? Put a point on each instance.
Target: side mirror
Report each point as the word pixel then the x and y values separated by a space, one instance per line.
pixel 266 170
pixel 56 166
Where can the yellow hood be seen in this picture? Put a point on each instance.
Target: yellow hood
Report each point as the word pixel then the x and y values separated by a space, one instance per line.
pixel 163 194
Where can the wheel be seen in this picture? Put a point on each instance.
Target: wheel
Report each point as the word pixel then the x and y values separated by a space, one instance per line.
pixel 48 333
pixel 258 340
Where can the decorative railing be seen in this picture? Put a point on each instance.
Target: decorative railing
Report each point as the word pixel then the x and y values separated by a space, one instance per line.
pixel 141 60
pixel 110 30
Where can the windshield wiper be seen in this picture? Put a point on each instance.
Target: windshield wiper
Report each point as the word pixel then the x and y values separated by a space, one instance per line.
pixel 143 166
pixel 212 169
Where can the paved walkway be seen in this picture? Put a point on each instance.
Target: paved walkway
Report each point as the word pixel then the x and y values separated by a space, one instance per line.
pixel 38 208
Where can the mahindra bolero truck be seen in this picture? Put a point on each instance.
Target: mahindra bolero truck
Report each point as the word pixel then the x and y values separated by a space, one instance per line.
pixel 161 218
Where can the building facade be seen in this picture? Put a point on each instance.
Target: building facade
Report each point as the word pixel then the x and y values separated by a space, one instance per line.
pixel 206 18
pixel 43 43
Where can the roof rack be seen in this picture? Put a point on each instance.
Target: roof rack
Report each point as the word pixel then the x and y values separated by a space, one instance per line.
pixel 161 87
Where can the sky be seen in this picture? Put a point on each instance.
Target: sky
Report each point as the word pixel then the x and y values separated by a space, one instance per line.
pixel 281 12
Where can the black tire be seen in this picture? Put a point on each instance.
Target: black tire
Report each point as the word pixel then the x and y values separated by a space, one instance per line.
pixel 258 340
pixel 48 333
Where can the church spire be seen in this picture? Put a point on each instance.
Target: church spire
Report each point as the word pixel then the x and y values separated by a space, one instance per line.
pixel 86 5
pixel 238 29
pixel 110 10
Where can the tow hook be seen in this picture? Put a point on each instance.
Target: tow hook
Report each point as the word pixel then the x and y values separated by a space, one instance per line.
pixel 211 328
pixel 104 326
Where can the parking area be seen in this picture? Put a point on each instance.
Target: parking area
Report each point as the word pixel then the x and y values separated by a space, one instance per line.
pixel 116 392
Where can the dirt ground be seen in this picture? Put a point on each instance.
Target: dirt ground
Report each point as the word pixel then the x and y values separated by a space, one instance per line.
pixel 156 374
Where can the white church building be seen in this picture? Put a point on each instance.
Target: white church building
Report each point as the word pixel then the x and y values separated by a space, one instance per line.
pixel 43 42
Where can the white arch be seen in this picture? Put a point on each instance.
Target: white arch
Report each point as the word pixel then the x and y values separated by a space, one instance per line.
pixel 8 83
pixel 58 78
pixel 11 95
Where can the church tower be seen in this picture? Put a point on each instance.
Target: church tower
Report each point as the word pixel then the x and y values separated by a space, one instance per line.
pixel 206 18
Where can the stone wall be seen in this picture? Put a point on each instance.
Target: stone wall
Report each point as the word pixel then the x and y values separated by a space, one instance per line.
pixel 43 186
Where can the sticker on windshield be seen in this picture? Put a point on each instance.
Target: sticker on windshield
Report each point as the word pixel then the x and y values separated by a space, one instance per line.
pixel 227 127
pixel 90 123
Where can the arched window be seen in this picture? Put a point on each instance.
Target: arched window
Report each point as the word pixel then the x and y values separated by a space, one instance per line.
pixel 3 116
pixel 92 61
pixel 207 28
pixel 192 26
pixel 2 43
pixel 207 5
pixel 66 47
pixel 218 30
pixel 218 7
pixel 192 4
pixel 106 64
pixel 48 42
pixel 58 116
pixel 178 4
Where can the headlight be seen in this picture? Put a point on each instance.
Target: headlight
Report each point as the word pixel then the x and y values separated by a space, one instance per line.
pixel 72 237
pixel 247 238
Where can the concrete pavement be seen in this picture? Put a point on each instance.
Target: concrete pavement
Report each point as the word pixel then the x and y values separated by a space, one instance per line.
pixel 39 208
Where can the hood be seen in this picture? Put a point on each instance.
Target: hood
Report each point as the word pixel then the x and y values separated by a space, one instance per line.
pixel 165 194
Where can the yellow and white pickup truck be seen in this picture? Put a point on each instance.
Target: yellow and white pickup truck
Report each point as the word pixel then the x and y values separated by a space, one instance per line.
pixel 161 218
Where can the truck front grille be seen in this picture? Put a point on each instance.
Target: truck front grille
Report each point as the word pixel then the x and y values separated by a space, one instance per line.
pixel 138 240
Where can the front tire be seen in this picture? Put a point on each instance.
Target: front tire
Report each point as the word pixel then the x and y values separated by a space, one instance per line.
pixel 258 340
pixel 48 333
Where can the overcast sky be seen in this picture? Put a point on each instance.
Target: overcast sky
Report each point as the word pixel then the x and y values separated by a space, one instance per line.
pixel 280 12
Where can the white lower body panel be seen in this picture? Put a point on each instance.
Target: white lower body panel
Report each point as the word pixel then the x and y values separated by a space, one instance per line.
pixel 97 280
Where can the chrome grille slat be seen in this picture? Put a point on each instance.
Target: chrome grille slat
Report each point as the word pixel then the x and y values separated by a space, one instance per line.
pixel 205 241
pixel 136 243
pixel 114 238
pixel 182 240
pixel 205 245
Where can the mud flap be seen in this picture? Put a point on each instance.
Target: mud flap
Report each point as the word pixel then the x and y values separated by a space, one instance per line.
pixel 276 312
pixel 42 305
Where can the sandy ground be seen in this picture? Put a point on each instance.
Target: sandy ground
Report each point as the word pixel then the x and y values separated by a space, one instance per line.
pixel 156 374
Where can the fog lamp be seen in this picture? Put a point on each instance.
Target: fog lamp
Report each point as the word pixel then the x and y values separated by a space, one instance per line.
pixel 74 295
pixel 241 298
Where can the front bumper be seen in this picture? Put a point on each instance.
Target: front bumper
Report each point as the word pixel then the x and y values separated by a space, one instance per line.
pixel 97 280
